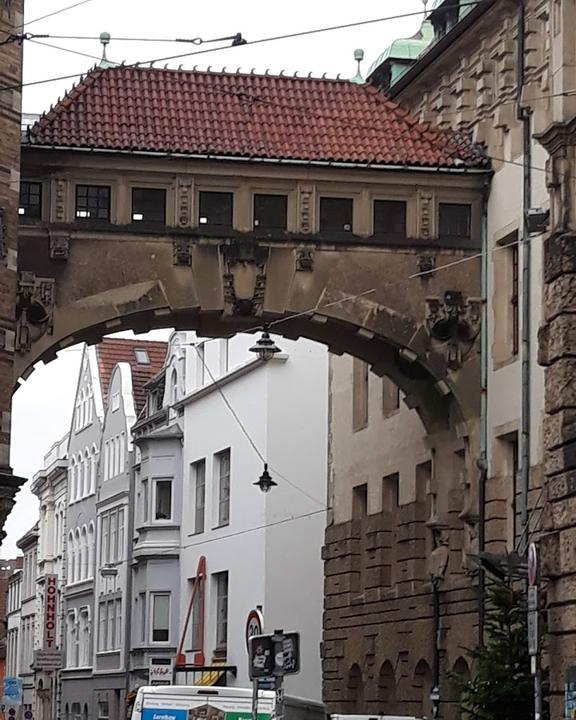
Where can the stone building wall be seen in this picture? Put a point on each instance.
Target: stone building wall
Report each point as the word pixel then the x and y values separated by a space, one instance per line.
pixel 11 17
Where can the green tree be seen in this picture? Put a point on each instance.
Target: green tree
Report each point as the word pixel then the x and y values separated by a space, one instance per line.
pixel 503 687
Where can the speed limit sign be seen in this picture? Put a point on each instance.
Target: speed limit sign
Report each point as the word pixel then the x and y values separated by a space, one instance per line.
pixel 254 626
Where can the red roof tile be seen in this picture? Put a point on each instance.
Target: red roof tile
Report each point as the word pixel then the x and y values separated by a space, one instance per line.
pixel 112 351
pixel 247 116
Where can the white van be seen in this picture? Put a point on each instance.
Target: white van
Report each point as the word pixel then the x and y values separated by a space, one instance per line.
pixel 189 702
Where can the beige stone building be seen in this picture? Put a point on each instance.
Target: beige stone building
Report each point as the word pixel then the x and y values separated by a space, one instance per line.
pixel 504 73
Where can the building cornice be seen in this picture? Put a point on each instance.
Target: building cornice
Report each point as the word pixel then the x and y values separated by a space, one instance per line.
pixel 558 136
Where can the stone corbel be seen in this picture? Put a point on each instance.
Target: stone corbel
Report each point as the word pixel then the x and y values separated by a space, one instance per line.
pixel 59 246
pixel 304 260
pixel 453 323
pixel 35 304
pixel 182 249
pixel 244 277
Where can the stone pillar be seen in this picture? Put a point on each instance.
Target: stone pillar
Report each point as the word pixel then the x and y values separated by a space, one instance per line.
pixel 11 17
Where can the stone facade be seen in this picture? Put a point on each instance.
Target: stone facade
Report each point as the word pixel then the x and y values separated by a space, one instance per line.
pixel 11 16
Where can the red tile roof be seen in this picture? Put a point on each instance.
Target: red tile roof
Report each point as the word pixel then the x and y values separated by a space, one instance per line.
pixel 112 351
pixel 246 116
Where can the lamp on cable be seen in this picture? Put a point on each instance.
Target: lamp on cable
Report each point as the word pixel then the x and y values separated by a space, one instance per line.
pixel 265 348
pixel 265 482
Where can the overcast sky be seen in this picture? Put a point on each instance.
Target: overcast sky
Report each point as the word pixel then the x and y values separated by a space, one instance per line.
pixel 42 407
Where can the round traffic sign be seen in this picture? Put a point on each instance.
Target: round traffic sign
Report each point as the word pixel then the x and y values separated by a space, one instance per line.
pixel 532 564
pixel 254 625
pixel 28 715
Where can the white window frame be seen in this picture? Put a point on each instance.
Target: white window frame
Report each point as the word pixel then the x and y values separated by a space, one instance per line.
pixel 155 482
pixel 221 519
pixel 152 597
pixel 194 468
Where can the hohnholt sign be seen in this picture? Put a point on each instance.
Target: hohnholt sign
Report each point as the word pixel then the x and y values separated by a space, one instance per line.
pixel 50 612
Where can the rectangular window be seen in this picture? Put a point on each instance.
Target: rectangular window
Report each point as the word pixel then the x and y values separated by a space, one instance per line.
pixel 149 205
pixel 200 364
pixel 270 212
pixel 118 634
pixel 103 627
pixel 105 538
pixel 514 304
pixel 142 598
pixel 390 218
pixel 336 214
pixel 454 221
pixel 221 610
pixel 223 468
pixel 103 710
pixel 199 490
pixel 163 500
pixel 160 617
pixel 390 396
pixel 142 357
pixel 145 500
pixel 30 199
pixel 216 209
pixel 93 202
pixel 120 546
pixel 390 492
pixel 359 394
pixel 360 501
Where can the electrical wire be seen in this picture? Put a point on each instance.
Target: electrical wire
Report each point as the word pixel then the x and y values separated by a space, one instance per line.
pixel 259 41
pixel 55 12
pixel 63 49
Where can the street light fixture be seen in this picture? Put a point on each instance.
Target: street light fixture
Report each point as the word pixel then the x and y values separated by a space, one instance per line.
pixel 265 482
pixel 265 348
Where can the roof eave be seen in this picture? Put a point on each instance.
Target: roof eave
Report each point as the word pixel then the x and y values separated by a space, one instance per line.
pixel 279 161
pixel 436 49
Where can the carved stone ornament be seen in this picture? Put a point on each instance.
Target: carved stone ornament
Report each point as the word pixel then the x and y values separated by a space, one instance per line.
pixel 182 251
pixel 304 260
pixel 35 304
pixel 454 324
pixel 244 277
pixel 438 562
pixel 59 247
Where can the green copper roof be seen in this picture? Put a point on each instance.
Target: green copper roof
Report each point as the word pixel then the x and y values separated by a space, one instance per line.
pixel 407 48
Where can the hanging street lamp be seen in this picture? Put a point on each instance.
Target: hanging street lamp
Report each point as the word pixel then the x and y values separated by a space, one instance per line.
pixel 265 482
pixel 265 348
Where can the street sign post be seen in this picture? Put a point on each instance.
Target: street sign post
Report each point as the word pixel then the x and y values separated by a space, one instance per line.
pixel 270 657
pixel 534 626
pixel 254 626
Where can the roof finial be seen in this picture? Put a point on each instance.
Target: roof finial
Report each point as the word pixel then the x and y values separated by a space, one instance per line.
pixel 105 38
pixel 425 3
pixel 358 56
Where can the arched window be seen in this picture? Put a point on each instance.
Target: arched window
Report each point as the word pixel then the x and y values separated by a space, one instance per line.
pixel 90 396
pixel 355 689
pixel 386 689
pixel 122 442
pixel 87 473
pixel 72 481
pixel 68 712
pixel 84 637
pixel 71 640
pixel 113 457
pixel 78 556
pixel 422 686
pixel 91 550
pixel 71 557
pixel 93 469
pixel 460 678
pixel 173 387
pixel 84 554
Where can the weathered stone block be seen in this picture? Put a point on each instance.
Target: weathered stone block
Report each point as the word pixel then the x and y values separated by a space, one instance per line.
pixel 560 385
pixel 560 297
pixel 557 339
pixel 559 256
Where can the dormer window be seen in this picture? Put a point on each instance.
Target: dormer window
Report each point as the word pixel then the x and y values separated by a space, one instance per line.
pixel 336 214
pixel 30 199
pixel 149 205
pixel 92 202
pixel 142 357
pixel 215 209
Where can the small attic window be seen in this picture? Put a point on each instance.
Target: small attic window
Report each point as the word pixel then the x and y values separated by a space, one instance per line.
pixel 142 357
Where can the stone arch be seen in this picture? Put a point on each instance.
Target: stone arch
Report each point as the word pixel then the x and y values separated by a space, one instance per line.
pixel 71 553
pixel 355 689
pixel 77 556
pixel 386 688
pixel 422 684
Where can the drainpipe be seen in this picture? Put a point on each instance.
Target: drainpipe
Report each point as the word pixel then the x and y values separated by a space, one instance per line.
pixel 524 115
pixel 483 459
pixel 129 556
pixel 435 693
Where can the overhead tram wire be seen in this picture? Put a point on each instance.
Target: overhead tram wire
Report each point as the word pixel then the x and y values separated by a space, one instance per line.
pixel 55 12
pixel 259 41
pixel 63 49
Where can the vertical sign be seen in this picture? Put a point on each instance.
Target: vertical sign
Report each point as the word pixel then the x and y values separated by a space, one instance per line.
pixel 50 640
pixel 161 671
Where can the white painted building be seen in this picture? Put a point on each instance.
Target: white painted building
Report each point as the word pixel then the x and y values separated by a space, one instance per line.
pixel 50 485
pixel 262 551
